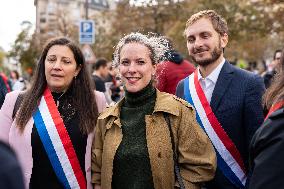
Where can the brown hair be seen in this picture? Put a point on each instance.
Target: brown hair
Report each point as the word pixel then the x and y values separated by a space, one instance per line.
pixel 218 22
pixel 277 51
pixel 275 92
pixel 81 88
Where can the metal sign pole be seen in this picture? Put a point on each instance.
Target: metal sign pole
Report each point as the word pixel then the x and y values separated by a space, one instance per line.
pixel 86 9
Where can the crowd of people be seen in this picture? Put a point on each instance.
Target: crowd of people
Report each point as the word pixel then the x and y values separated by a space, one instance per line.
pixel 11 83
pixel 147 119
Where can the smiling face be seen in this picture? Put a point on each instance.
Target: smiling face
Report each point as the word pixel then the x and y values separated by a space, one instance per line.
pixel 135 66
pixel 60 68
pixel 205 45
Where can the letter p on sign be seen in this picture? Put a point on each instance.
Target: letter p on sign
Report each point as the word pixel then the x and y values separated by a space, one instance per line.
pixel 87 32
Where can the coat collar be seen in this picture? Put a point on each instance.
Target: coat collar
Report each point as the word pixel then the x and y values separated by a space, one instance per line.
pixel 277 113
pixel 164 103
pixel 223 83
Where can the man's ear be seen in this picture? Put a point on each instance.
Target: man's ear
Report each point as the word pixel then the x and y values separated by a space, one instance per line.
pixel 224 40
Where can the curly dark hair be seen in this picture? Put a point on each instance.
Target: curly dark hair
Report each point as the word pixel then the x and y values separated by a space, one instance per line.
pixel 81 88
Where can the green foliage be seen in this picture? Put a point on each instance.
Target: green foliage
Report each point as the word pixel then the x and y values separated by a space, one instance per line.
pixel 2 56
pixel 253 25
pixel 24 49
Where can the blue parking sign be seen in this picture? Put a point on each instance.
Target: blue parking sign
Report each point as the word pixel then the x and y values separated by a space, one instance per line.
pixel 87 32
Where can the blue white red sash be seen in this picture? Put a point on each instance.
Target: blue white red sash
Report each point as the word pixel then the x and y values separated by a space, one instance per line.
pixel 57 143
pixel 228 157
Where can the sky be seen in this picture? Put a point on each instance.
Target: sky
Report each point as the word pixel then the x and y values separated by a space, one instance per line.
pixel 12 14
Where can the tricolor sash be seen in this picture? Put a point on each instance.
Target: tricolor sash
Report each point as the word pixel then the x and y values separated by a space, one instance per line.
pixel 58 144
pixel 228 157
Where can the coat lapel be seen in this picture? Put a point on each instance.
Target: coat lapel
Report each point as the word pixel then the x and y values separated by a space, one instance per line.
pixel 223 82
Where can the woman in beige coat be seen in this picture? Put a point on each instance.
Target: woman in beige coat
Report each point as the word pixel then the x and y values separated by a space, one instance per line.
pixel 132 146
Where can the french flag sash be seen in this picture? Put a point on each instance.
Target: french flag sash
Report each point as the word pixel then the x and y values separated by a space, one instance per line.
pixel 57 143
pixel 228 157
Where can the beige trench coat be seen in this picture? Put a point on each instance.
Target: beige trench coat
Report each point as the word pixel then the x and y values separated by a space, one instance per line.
pixel 196 156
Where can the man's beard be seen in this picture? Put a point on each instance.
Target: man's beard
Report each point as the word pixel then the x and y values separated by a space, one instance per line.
pixel 214 56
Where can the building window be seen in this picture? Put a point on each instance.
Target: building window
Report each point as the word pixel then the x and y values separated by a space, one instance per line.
pixel 42 20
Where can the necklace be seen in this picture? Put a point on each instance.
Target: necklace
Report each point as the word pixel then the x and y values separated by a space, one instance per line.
pixel 57 100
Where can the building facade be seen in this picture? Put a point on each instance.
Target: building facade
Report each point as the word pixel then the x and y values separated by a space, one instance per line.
pixel 61 17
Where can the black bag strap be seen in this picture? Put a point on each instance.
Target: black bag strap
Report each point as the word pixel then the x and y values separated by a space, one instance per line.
pixel 17 104
pixel 176 166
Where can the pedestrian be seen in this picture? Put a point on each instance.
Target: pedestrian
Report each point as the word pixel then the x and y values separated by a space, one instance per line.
pixel 100 73
pixel 17 82
pixel 53 129
pixel 272 68
pixel 113 85
pixel 133 145
pixel 11 176
pixel 227 99
pixel 4 88
pixel 267 145
pixel 171 70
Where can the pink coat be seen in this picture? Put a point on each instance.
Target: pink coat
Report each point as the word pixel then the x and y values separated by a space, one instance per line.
pixel 21 142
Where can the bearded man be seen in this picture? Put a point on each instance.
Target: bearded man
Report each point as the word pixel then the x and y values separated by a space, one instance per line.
pixel 227 99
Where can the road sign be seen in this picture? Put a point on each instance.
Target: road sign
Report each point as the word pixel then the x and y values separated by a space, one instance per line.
pixel 87 32
pixel 88 54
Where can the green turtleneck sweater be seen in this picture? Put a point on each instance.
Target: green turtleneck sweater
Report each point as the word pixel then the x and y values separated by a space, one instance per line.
pixel 131 166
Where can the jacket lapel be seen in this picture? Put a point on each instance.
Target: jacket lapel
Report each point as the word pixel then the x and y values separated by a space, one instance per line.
pixel 223 82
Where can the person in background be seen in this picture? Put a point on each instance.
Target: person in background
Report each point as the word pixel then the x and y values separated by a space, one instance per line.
pixel 133 144
pixel 113 85
pixel 100 74
pixel 14 76
pixel 52 129
pixel 11 176
pixel 252 67
pixel 111 72
pixel 4 87
pixel 272 68
pixel 267 145
pixel 17 82
pixel 227 99
pixel 171 70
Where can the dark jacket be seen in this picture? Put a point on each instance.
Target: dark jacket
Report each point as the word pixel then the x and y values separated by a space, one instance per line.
pixel 3 91
pixel 99 84
pixel 268 77
pixel 267 153
pixel 236 102
pixel 10 172
pixel 174 56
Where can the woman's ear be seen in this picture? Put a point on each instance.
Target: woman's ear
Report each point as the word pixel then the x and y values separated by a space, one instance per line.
pixel 78 69
pixel 154 69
